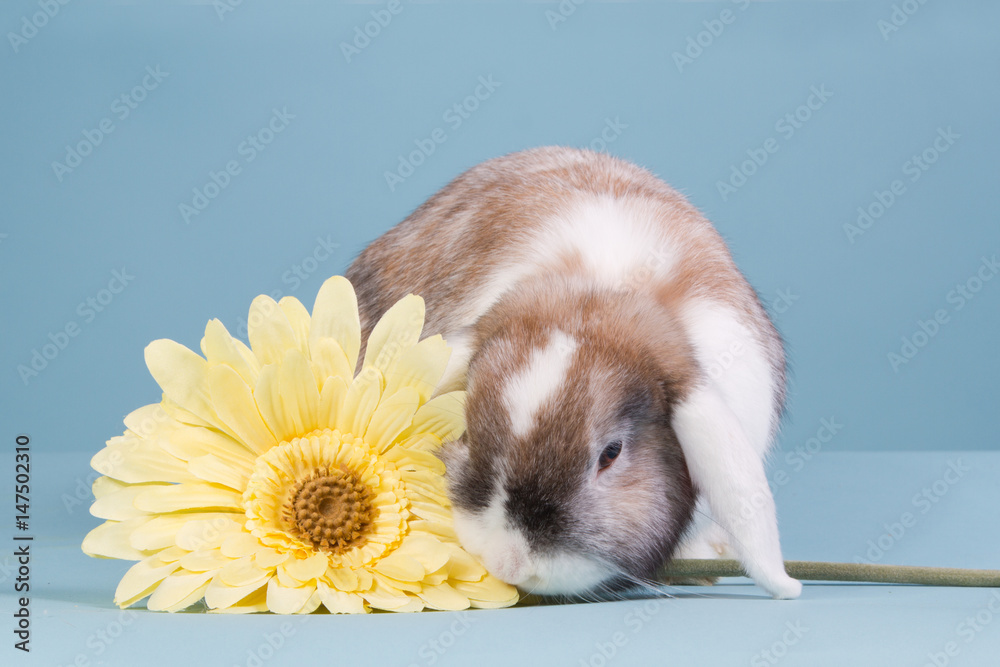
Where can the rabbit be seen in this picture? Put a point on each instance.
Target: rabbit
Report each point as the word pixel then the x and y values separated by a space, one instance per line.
pixel 590 308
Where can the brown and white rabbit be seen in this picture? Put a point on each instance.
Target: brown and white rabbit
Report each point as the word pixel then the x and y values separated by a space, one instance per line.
pixel 590 308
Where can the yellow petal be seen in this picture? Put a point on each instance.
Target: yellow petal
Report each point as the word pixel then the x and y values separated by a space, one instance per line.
pixel 400 566
pixel 169 555
pixel 299 396
pixel 237 545
pixel 220 595
pixel 208 530
pixel 266 557
pixel 435 528
pixel 267 395
pixel 311 605
pixel 331 402
pixel 463 566
pixel 335 315
pixel 430 511
pixel 284 600
pixel 329 360
pixel 298 319
pixel 420 367
pixel 342 578
pixel 425 486
pixel 252 604
pixel 149 420
pixel 234 402
pixel 393 414
pixel 210 468
pixel 204 560
pixel 362 397
pixel 111 540
pixel 381 598
pixel 428 551
pixel 442 416
pixel 160 532
pixel 179 591
pixel 338 602
pixel 134 460
pixel 119 504
pixel 488 592
pixel 420 442
pixel 220 347
pixel 140 581
pixel 182 416
pixel 443 597
pixel 104 486
pixel 183 376
pixel 269 331
pixel 193 441
pixel 243 572
pixel 398 330
pixel 307 569
pixel 414 459
pixel 285 579
pixel 194 495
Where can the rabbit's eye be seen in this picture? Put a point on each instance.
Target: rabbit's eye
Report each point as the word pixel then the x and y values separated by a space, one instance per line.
pixel 609 454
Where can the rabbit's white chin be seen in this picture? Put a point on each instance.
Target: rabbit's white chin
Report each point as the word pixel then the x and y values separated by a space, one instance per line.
pixel 564 574
pixel 505 553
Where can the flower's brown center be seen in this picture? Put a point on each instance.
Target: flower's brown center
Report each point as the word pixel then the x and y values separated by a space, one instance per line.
pixel 332 510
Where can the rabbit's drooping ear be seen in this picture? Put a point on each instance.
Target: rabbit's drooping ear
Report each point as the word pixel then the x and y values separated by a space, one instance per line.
pixel 727 470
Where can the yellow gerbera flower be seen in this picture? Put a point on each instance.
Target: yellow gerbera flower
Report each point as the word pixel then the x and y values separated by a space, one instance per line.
pixel 270 478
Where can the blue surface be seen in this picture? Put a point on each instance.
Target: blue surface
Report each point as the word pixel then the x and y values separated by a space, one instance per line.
pixel 297 207
pixel 830 510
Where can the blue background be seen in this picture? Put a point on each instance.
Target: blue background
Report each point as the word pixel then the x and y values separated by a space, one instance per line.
pixel 843 302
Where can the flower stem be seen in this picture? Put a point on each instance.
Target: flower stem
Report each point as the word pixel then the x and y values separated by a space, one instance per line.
pixel 820 571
